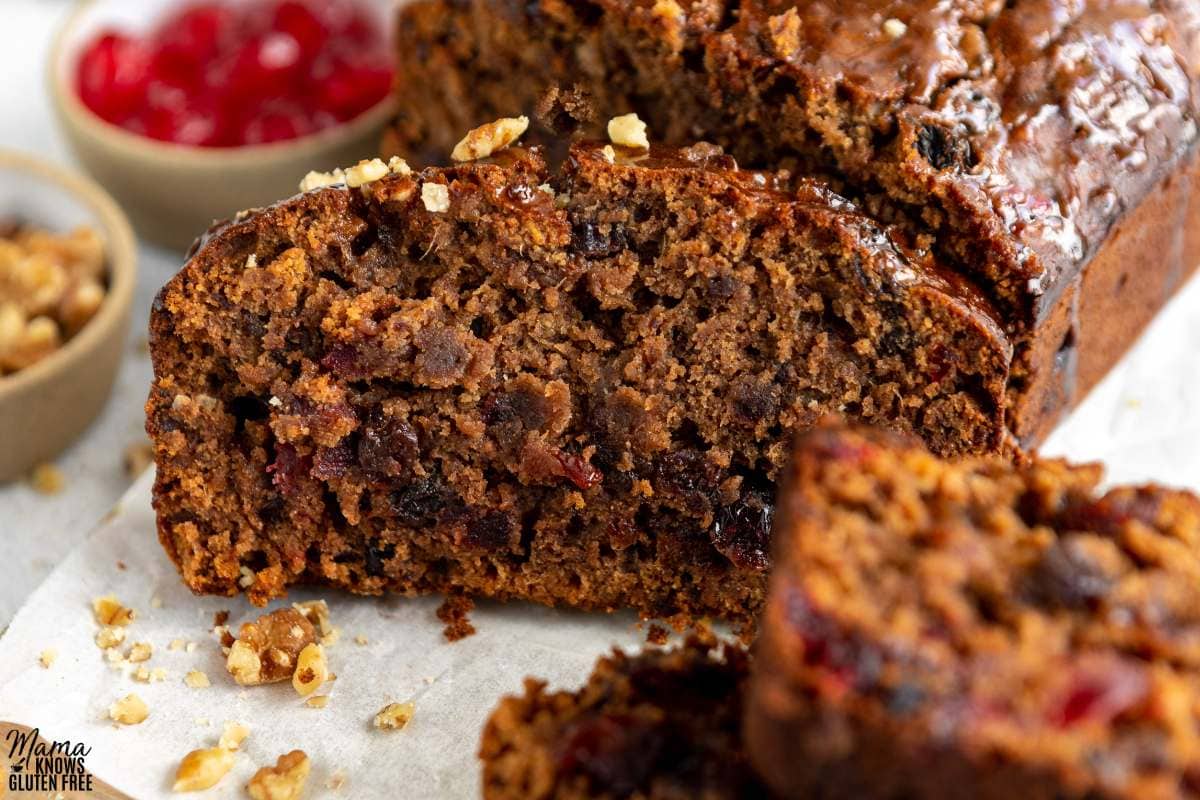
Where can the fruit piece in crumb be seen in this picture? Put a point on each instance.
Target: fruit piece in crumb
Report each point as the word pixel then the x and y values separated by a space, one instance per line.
pixel 266 650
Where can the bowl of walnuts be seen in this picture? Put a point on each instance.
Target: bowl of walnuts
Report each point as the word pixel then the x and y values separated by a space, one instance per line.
pixel 67 272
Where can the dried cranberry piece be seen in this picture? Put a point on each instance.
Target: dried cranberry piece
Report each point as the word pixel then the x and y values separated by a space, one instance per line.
pixel 331 463
pixel 344 361
pixel 288 469
pixel 617 752
pixel 1066 577
pixel 686 472
pixel 1100 691
pixel 302 23
pixel 1112 512
pixel 742 532
pixel 845 659
pixel 389 446
pixel 278 121
pixel 578 471
pixel 490 530
pixel 346 85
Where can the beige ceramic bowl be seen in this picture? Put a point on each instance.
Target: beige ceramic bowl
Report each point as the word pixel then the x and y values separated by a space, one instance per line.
pixel 45 407
pixel 174 193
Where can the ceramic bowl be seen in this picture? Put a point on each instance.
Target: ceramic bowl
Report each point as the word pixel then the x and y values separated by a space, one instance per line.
pixel 46 406
pixel 173 193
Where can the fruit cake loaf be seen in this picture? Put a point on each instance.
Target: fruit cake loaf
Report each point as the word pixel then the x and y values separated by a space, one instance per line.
pixel 572 386
pixel 973 629
pixel 1049 145
pixel 661 725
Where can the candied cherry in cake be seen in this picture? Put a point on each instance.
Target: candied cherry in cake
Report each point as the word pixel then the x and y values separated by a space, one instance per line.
pixel 239 72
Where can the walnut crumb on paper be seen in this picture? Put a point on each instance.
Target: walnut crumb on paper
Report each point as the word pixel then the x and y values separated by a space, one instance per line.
pixel 284 781
pixel 394 716
pixel 311 670
pixel 232 735
pixel 129 710
pixel 47 479
pixel 317 701
pixel 196 679
pixel 267 649
pixel 139 652
pixel 47 657
pixel 202 769
pixel 108 610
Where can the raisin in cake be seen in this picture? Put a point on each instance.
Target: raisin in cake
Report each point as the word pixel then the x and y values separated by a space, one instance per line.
pixel 1049 146
pixel 573 386
pixel 973 629
pixel 661 725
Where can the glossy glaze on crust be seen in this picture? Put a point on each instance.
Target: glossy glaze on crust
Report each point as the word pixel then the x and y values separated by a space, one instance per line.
pixel 574 387
pixel 1018 136
pixel 1006 631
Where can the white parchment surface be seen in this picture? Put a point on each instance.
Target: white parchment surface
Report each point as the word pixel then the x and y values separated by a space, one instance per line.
pixel 1143 422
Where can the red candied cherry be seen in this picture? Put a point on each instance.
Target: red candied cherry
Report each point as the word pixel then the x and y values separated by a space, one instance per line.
pixel 173 114
pixel 112 76
pixel 265 66
pixel 185 42
pixel 304 24
pixel 348 86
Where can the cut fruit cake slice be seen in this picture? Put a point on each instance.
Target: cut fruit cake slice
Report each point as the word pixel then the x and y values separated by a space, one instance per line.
pixel 660 725
pixel 974 629
pixel 572 386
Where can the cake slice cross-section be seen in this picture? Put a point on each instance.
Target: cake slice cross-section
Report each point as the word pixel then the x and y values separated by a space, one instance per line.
pixel 657 725
pixel 572 385
pixel 976 629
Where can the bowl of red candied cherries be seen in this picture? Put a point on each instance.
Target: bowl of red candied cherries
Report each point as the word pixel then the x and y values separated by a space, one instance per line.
pixel 189 111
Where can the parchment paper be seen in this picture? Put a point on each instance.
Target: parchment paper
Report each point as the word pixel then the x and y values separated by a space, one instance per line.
pixel 1142 421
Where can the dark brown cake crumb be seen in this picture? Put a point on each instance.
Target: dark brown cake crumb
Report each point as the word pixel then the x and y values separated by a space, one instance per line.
pixel 657 634
pixel 566 112
pixel 454 612
pixel 660 725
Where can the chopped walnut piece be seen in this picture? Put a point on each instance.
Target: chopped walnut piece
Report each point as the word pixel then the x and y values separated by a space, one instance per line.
pixel 365 172
pixel 628 130
pixel 109 611
pixel 487 139
pixel 233 734
pixel 47 657
pixel 138 652
pixel 608 153
pixel 317 613
pixel 284 781
pixel 398 166
pixel 320 180
pixel 47 479
pixel 317 701
pixel 267 649
pixel 394 716
pixel 202 769
pixel 435 197
pixel 311 670
pixel 196 679
pixel 129 710
pixel 894 28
